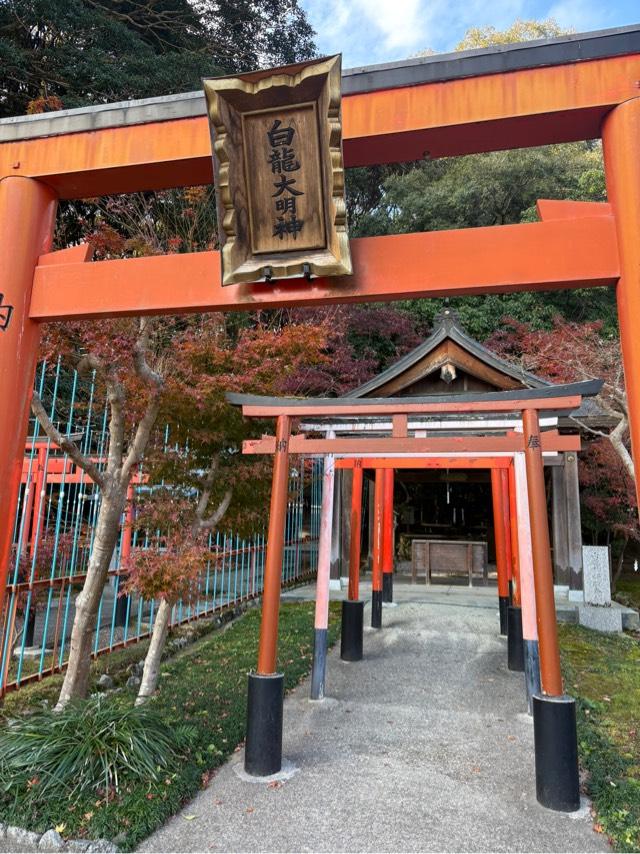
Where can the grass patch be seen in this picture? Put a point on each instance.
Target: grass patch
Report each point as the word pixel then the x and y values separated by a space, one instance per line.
pixel 628 589
pixel 204 686
pixel 603 673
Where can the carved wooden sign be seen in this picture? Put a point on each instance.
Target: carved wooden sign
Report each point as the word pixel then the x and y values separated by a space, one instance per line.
pixel 277 156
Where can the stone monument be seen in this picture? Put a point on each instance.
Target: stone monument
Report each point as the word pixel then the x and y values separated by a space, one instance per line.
pixel 597 612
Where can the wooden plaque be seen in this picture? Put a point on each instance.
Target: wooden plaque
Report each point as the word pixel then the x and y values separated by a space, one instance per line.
pixel 277 157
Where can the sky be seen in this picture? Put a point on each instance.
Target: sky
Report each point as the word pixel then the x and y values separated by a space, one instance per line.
pixel 372 31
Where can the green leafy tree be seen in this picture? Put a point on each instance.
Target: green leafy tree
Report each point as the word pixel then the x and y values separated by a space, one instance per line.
pixel 69 53
pixel 489 189
pixel 519 31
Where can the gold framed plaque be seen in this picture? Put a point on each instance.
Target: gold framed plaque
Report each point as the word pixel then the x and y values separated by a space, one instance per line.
pixel 278 171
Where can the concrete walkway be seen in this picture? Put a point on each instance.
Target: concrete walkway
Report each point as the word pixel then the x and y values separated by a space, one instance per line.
pixel 423 746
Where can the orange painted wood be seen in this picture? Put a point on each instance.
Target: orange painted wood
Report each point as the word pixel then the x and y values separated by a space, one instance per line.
pixel 500 532
pixel 436 445
pixel 621 145
pixel 506 514
pixel 407 405
pixel 378 510
pixel 550 673
pixel 359 463
pixel 387 521
pixel 268 642
pixel 27 219
pixel 356 532
pixel 515 543
pixel 554 209
pixel 498 111
pixel 496 259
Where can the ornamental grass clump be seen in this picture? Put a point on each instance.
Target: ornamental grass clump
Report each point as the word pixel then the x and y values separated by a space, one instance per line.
pixel 95 745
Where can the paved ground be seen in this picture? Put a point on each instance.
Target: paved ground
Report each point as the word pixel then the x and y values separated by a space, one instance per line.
pixel 423 746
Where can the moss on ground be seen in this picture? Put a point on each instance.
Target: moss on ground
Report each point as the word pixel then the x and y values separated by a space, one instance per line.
pixel 203 686
pixel 603 673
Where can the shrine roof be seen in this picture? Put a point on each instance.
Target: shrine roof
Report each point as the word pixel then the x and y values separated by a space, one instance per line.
pixel 497 59
pixel 447 326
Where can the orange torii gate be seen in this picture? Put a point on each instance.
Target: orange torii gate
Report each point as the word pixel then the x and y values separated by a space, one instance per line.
pixel 554 714
pixel 559 90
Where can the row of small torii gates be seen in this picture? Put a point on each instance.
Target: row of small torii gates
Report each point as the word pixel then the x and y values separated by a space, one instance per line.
pixel 562 90
pixel 523 553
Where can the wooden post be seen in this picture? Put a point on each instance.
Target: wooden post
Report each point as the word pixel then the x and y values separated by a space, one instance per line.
pixel 621 144
pixel 506 515
pixel 574 522
pixel 515 545
pixel 356 525
pixel 560 532
pixel 387 537
pixel 322 583
pixel 27 217
pixel 336 531
pixel 550 673
pixel 531 652
pixel 376 569
pixel 501 546
pixel 268 644
pixel 345 477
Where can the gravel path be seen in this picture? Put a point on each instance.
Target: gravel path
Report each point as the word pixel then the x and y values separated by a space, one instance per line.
pixel 423 746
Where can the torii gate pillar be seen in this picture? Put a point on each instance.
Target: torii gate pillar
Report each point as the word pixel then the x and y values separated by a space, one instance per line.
pixel 27 219
pixel 621 145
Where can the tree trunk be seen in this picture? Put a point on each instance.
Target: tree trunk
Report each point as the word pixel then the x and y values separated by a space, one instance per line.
pixel 154 655
pixel 76 679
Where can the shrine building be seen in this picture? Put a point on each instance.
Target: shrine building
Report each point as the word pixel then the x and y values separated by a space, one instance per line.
pixel 443 521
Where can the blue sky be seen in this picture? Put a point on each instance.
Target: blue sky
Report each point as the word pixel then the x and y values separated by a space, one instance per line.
pixel 371 31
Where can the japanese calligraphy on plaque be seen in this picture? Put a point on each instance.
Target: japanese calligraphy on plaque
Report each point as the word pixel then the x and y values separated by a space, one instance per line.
pixel 279 177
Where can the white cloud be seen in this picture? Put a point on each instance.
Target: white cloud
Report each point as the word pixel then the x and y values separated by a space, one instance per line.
pixel 581 15
pixel 371 31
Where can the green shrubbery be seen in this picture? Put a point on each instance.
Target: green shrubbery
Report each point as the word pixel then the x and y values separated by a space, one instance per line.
pixel 93 746
pixel 201 703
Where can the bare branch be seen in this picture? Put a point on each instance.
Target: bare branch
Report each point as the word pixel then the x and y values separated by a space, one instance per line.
pixel 142 368
pixel 65 444
pixel 140 440
pixel 222 508
pixel 207 486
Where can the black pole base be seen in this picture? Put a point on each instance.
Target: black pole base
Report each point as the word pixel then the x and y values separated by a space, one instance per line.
pixel 515 647
pixel 503 604
pixel 556 750
pixel 30 628
pixel 121 610
pixel 387 587
pixel 352 627
pixel 531 671
pixel 319 666
pixel 265 699
pixel 376 609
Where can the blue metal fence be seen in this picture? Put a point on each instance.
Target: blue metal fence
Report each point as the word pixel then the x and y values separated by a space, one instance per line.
pixel 53 536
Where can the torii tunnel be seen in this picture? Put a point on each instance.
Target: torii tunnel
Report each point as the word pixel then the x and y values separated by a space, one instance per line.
pixel 385 434
pixel 577 87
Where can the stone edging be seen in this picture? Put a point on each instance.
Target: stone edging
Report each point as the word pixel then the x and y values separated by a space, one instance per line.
pixel 52 841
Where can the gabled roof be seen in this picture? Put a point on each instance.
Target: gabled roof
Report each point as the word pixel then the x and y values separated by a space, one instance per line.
pixel 447 326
